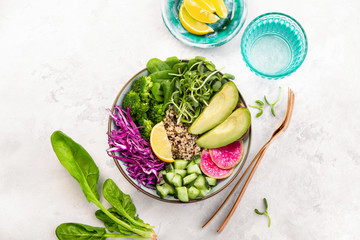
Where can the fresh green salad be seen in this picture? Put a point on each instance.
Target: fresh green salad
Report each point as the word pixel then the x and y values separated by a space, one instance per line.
pixel 180 128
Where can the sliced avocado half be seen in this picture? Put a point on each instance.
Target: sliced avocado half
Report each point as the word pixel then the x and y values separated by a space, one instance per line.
pixel 233 128
pixel 220 107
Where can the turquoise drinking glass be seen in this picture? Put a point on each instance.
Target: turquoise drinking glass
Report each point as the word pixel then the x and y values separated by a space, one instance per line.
pixel 274 45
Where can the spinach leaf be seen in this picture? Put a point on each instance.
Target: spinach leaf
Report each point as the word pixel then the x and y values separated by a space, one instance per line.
pixel 171 61
pixel 83 168
pixel 162 75
pixel 110 224
pixel 122 203
pixel 71 231
pixel 155 65
pixel 78 162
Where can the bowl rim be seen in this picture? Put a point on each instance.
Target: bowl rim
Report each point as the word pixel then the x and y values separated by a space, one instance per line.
pixel 134 184
pixel 211 44
pixel 273 76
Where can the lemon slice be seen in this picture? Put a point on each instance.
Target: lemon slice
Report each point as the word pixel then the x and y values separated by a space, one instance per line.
pixel 191 25
pixel 207 5
pixel 198 13
pixel 160 143
pixel 220 7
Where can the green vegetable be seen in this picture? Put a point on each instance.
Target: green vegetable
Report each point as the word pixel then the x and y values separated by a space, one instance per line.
pixel 82 167
pixel 156 113
pixel 229 76
pixel 194 84
pixel 122 203
pixel 162 75
pixel 79 164
pixel 261 104
pixel 71 231
pixel 171 61
pixel 142 85
pixel 147 125
pixel 273 104
pixel 138 108
pixel 155 64
pixel 265 212
pixel 157 93
pixel 168 88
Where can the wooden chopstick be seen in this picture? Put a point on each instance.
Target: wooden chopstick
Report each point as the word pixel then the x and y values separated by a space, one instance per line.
pixel 235 186
pixel 227 219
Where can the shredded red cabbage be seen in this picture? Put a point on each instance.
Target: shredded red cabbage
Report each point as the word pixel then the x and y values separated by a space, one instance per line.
pixel 133 150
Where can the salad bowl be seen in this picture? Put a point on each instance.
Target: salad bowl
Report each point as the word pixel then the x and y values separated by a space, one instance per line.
pixel 221 184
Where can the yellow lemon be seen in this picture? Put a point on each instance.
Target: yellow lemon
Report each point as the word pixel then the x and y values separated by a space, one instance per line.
pixel 220 7
pixel 198 13
pixel 191 25
pixel 207 5
pixel 160 143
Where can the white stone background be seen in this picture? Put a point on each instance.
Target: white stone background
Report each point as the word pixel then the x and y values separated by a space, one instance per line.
pixel 63 62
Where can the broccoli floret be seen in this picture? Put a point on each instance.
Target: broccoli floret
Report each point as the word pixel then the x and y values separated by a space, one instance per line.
pixel 137 107
pixel 146 131
pixel 156 112
pixel 142 85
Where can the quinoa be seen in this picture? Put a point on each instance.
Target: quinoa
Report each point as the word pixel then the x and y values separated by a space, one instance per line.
pixel 183 145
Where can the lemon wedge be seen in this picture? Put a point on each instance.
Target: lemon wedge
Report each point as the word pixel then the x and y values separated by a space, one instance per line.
pixel 207 5
pixel 220 7
pixel 191 25
pixel 160 143
pixel 199 13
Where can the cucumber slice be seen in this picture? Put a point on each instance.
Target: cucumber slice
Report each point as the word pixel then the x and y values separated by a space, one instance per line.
pixel 189 178
pixel 161 190
pixel 177 180
pixel 171 189
pixel 162 181
pixel 182 194
pixel 181 172
pixel 193 192
pixel 193 169
pixel 198 160
pixel 169 176
pixel 200 183
pixel 169 167
pixel 211 181
pixel 192 163
pixel 204 192
pixel 180 164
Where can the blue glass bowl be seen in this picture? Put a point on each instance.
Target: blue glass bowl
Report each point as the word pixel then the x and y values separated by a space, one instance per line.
pixel 224 29
pixel 274 45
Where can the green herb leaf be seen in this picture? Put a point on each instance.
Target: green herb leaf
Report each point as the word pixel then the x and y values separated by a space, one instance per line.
pixel 265 212
pixel 229 76
pixel 258 107
pixel 273 104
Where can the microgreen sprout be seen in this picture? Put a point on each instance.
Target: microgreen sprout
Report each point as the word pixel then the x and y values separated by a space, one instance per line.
pixel 261 104
pixel 273 104
pixel 265 212
pixel 193 86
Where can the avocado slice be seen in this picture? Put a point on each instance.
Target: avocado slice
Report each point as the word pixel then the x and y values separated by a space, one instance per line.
pixel 233 128
pixel 220 107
